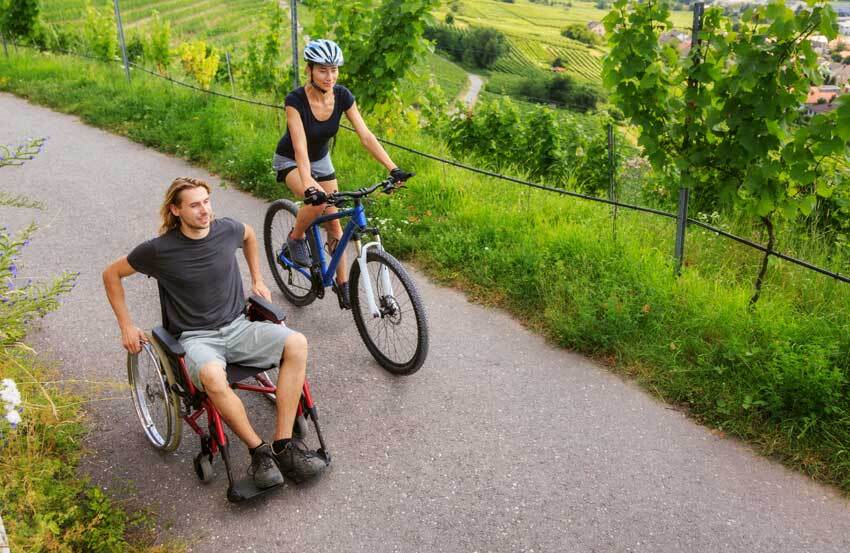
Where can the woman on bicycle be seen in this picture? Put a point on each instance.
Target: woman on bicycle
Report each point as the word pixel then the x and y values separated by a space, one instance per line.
pixel 302 159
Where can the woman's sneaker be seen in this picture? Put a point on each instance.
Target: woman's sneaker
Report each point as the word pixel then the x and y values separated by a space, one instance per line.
pixel 297 462
pixel 263 468
pixel 299 251
pixel 342 294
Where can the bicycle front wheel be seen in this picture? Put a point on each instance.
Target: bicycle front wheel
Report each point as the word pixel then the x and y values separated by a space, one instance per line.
pixel 296 287
pixel 397 335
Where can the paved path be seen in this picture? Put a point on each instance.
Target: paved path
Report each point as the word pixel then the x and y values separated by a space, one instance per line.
pixel 500 443
pixel 471 95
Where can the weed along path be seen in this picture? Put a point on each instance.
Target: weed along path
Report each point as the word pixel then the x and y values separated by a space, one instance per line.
pixel 500 443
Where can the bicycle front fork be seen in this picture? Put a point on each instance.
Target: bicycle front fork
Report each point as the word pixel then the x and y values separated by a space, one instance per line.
pixel 383 280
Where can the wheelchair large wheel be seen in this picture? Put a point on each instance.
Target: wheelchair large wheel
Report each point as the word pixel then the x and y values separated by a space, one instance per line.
pixel 157 405
pixel 398 337
pixel 295 286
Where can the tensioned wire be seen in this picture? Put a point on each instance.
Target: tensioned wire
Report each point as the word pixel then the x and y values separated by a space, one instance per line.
pixel 473 169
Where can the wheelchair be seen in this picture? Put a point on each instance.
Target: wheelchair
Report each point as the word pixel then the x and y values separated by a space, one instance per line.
pixel 164 396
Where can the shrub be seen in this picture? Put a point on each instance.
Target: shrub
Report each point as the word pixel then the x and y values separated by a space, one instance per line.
pixel 99 33
pixel 199 61
pixel 158 50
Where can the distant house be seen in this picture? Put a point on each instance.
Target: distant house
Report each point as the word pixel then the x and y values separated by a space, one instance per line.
pixel 596 27
pixel 559 69
pixel 822 99
pixel 844 28
pixel 673 36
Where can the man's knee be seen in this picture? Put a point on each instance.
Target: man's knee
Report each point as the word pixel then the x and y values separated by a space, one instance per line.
pixel 295 346
pixel 213 378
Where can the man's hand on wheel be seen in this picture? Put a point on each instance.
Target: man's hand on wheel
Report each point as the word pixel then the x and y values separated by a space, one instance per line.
pixel 132 338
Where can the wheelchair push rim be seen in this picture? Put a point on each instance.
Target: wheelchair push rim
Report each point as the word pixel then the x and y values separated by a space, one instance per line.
pixel 157 405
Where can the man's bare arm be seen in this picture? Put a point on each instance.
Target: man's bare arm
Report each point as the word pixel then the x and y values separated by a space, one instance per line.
pixel 251 250
pixel 131 335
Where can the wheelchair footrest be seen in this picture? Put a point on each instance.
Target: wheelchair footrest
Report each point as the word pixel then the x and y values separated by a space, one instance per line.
pixel 246 489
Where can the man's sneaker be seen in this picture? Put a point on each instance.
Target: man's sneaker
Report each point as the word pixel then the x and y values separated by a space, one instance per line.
pixel 297 462
pixel 299 251
pixel 342 294
pixel 263 468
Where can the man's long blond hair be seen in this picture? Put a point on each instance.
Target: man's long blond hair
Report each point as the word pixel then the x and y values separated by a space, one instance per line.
pixel 172 197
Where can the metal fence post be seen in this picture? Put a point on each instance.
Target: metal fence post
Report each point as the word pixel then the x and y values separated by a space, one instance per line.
pixel 230 73
pixel 294 12
pixel 684 192
pixel 612 190
pixel 121 39
pixel 681 226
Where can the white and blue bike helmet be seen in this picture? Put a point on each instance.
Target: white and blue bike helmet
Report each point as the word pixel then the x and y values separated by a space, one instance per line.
pixel 323 52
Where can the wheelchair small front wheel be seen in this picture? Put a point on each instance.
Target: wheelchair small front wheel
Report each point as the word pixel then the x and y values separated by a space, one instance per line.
pixel 203 467
pixel 157 405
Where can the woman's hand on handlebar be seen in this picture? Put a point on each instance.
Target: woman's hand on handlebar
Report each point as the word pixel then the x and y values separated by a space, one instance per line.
pixel 315 196
pixel 397 179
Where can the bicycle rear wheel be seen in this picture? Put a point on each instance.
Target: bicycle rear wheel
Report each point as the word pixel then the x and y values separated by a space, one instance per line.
pixel 296 287
pixel 398 336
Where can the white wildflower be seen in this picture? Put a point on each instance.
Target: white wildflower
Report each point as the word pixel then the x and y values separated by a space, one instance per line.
pixel 9 393
pixel 14 418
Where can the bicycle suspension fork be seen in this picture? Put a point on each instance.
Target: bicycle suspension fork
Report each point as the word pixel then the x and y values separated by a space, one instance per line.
pixel 366 283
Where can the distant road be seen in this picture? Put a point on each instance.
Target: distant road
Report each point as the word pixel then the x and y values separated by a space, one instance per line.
pixel 471 96
pixel 501 443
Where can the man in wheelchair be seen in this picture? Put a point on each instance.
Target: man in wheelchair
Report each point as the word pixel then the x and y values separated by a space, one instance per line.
pixel 193 260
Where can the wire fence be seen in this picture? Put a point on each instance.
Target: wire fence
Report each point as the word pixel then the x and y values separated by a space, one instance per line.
pixel 682 219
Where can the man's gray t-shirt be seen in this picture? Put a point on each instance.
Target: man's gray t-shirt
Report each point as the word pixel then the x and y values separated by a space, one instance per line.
pixel 200 286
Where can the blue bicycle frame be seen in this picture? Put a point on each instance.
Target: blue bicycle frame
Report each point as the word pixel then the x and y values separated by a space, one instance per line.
pixel 357 222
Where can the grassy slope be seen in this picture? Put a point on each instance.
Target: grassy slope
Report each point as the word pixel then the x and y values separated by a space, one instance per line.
pixel 534 31
pixel 225 23
pixel 777 376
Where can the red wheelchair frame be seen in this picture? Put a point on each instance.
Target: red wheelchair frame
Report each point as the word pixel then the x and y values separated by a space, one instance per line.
pixel 195 403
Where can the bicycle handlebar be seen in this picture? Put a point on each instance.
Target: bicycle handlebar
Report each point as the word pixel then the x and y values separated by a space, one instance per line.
pixel 387 185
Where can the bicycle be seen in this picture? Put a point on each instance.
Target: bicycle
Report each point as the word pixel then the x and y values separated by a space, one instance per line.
pixel 384 301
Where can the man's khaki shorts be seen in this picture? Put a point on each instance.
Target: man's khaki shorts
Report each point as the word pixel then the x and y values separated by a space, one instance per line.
pixel 256 344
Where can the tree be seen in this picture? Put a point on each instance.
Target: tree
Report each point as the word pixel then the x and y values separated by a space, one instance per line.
pixel 18 18
pixel 382 42
pixel 485 46
pixel 581 33
pixel 725 121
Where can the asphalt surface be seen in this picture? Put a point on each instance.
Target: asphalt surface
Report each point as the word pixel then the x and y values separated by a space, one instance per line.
pixel 471 94
pixel 500 443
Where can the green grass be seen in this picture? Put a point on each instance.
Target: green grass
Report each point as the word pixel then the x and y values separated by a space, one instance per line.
pixel 776 376
pixel 449 76
pixel 45 504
